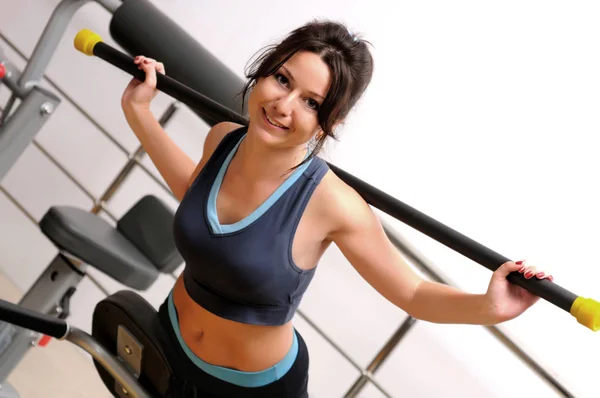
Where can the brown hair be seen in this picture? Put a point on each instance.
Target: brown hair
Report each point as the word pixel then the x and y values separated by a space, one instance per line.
pixel 347 56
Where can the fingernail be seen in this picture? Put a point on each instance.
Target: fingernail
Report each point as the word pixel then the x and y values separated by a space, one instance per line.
pixel 540 275
pixel 521 269
pixel 528 274
pixel 519 262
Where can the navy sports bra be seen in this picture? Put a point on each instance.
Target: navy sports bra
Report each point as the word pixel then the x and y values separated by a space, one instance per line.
pixel 244 271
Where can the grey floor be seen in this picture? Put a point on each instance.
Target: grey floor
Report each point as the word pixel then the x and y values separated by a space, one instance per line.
pixel 58 370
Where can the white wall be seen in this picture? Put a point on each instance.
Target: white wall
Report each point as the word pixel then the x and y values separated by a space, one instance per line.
pixel 480 115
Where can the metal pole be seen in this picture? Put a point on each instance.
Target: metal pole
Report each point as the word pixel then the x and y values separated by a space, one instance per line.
pixel 48 42
pixel 381 356
pixel 116 368
pixel 134 159
pixel 110 5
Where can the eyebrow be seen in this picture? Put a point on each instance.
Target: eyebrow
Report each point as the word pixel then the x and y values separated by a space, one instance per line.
pixel 292 77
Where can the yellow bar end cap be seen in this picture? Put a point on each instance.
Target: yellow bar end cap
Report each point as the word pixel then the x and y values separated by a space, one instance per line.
pixel 587 312
pixel 85 41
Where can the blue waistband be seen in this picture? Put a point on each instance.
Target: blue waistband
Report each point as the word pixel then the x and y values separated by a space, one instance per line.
pixel 244 379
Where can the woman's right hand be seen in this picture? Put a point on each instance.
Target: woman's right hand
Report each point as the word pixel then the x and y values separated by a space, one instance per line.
pixel 140 94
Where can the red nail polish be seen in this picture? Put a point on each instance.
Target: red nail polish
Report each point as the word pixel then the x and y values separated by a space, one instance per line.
pixel 528 274
pixel 519 262
pixel 540 274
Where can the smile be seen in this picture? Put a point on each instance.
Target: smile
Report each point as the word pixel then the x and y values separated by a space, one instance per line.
pixel 272 122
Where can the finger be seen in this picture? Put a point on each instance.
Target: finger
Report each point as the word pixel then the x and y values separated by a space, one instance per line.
pixel 146 61
pixel 507 268
pixel 160 67
pixel 149 68
pixel 530 272
pixel 544 275
pixel 139 61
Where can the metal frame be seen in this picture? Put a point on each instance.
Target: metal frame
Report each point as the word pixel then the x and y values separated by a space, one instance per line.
pixel 110 5
pixel 115 366
pixel 23 125
pixel 49 295
pixel 38 104
pixel 18 128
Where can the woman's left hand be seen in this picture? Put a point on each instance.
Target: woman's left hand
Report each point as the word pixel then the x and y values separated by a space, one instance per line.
pixel 507 300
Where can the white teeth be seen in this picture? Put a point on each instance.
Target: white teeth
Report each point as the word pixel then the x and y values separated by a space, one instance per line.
pixel 272 122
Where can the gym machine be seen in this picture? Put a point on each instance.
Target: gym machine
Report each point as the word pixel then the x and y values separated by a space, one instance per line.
pixel 134 253
pixel 83 239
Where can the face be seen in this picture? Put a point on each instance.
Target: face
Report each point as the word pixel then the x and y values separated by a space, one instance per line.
pixel 283 107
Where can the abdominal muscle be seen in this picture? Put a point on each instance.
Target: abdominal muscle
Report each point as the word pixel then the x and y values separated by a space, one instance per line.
pixel 230 344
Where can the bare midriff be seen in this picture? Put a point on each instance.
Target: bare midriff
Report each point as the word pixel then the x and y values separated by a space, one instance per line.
pixel 226 343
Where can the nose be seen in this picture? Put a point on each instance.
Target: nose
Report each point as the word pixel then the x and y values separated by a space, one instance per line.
pixel 283 104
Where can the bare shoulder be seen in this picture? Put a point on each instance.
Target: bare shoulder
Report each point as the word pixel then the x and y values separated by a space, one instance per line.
pixel 216 135
pixel 211 142
pixel 341 206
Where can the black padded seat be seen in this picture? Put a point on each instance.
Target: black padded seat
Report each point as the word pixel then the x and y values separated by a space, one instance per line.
pixel 93 240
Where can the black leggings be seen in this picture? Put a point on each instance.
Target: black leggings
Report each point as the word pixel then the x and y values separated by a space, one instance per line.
pixel 192 382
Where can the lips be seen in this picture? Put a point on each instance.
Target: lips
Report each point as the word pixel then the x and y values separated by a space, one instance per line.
pixel 273 122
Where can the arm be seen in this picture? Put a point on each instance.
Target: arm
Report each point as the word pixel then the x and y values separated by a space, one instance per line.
pixel 175 166
pixel 361 238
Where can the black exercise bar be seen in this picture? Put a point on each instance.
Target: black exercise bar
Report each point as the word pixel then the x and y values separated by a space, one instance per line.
pixel 587 311
pixel 33 320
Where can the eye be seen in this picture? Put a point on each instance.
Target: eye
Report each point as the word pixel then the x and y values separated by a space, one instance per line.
pixel 312 104
pixel 281 79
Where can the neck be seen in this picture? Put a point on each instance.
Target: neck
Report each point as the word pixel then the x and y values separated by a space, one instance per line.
pixel 257 161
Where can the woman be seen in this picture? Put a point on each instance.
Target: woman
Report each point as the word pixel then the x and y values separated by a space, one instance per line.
pixel 260 209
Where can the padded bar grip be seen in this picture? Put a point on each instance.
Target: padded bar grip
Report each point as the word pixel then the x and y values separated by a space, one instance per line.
pixel 586 311
pixel 142 29
pixel 33 320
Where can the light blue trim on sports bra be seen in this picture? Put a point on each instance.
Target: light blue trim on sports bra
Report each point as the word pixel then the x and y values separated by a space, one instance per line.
pixel 213 218
pixel 244 379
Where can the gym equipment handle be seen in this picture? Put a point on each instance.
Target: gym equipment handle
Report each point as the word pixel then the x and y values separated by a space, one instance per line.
pixel 33 320
pixel 585 310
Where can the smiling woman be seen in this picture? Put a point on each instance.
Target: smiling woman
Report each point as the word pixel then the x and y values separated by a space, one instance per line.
pixel 260 209
pixel 324 66
pixel 284 107
pixel 285 102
